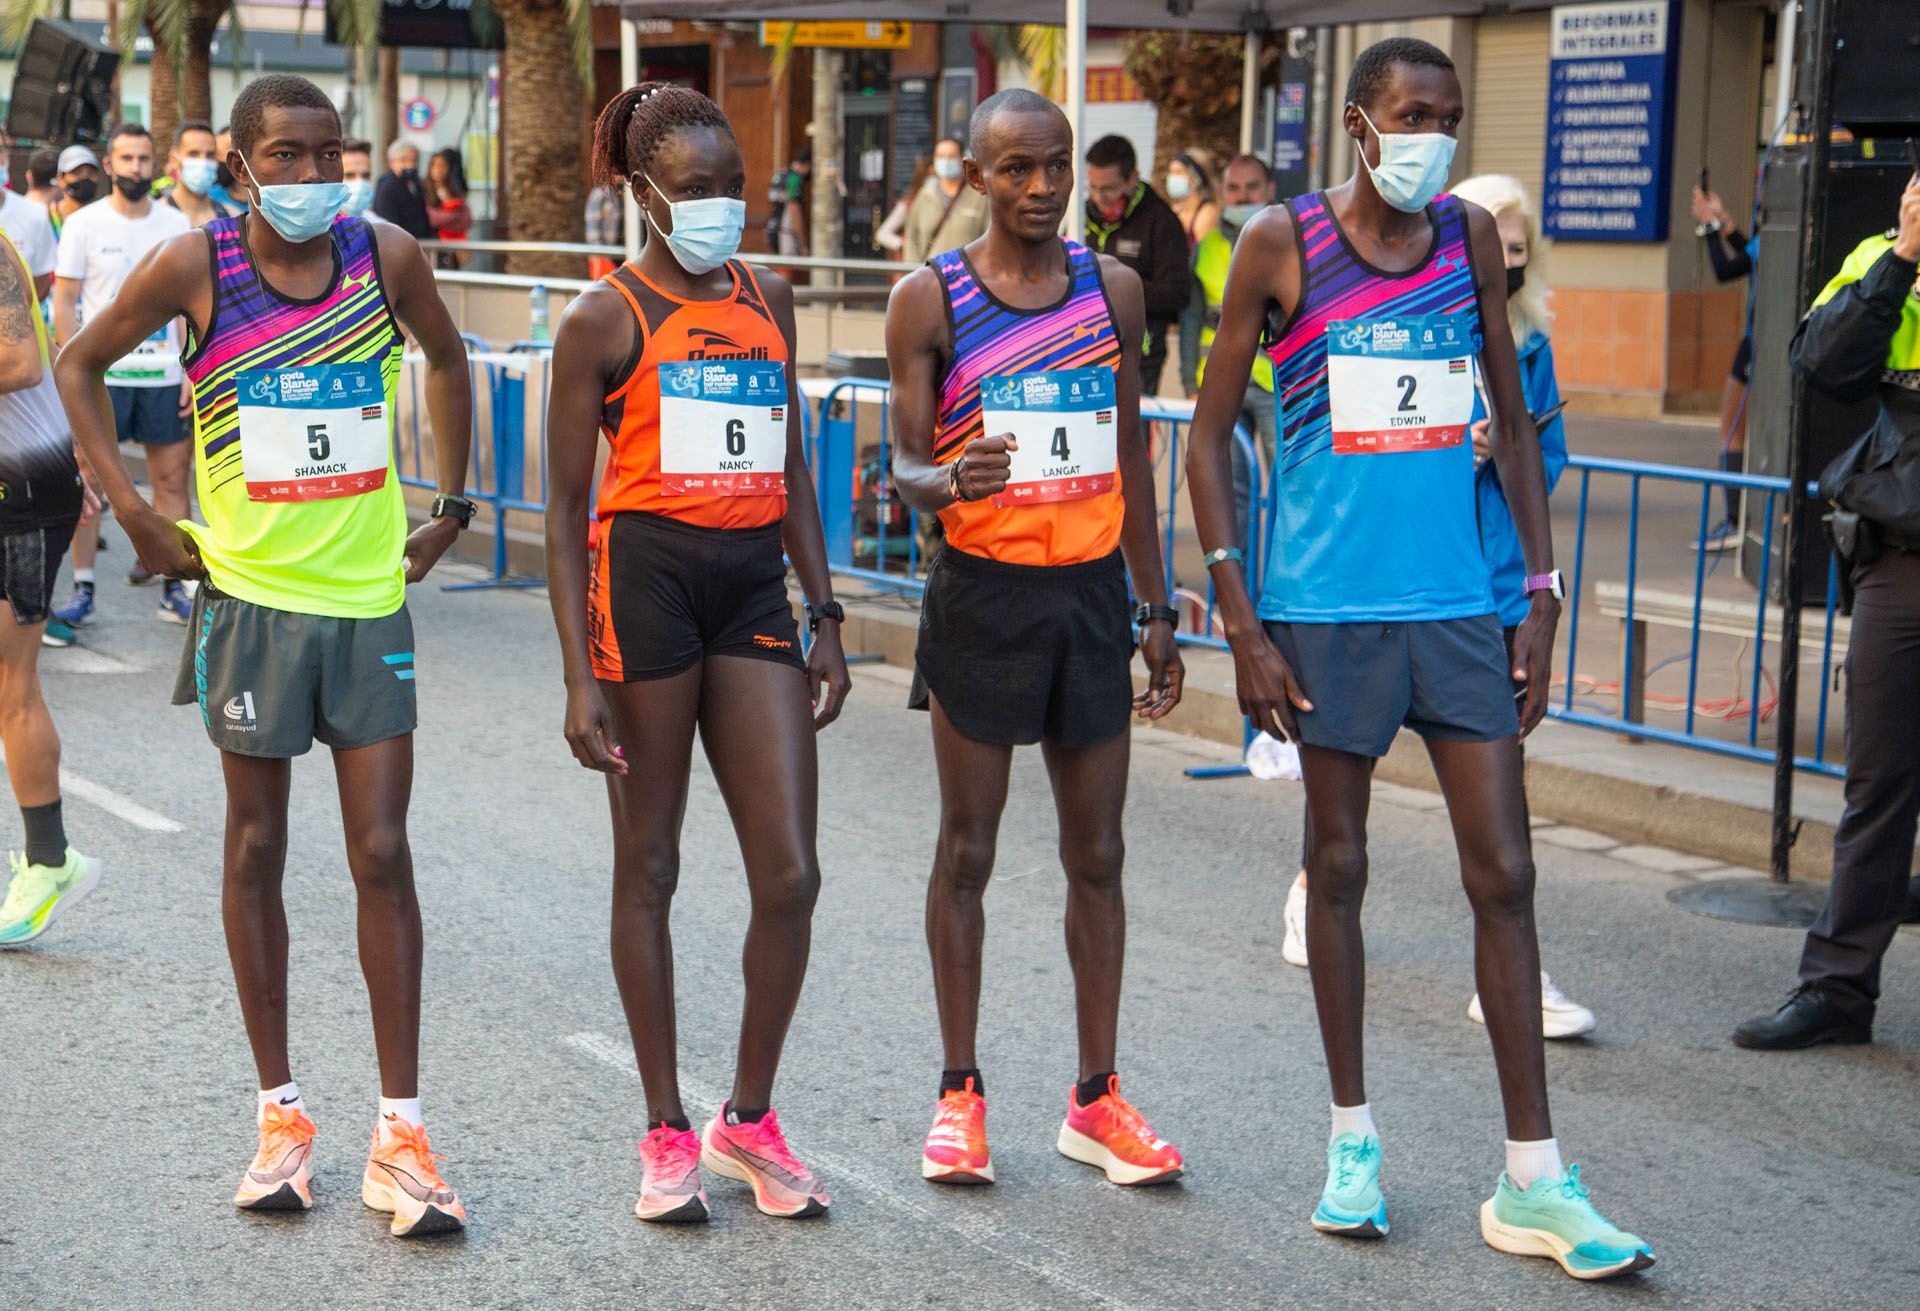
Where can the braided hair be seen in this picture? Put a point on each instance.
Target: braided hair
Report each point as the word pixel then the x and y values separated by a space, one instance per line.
pixel 634 123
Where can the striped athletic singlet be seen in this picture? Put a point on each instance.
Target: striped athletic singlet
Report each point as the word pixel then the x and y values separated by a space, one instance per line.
pixel 736 330
pixel 990 339
pixel 295 476
pixel 1373 375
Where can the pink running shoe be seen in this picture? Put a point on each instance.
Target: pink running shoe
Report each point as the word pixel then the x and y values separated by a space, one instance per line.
pixel 670 1191
pixel 1113 1136
pixel 756 1153
pixel 956 1146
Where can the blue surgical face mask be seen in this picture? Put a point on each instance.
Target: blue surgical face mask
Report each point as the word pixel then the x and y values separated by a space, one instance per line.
pixel 197 175
pixel 947 169
pixel 1238 216
pixel 1413 166
pixel 299 211
pixel 1179 186
pixel 706 232
pixel 359 196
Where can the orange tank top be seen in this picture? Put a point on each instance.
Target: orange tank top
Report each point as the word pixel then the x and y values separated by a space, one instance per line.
pixel 991 339
pixel 675 332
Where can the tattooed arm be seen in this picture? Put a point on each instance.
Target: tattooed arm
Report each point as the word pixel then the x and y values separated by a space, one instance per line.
pixel 22 361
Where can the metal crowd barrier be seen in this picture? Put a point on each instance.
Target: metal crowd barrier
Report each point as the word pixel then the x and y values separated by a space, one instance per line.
pixel 1629 715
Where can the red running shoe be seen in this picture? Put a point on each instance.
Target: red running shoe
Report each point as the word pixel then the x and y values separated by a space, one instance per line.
pixel 956 1149
pixel 1112 1135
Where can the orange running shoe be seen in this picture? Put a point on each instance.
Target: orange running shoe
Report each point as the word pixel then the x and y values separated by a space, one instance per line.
pixel 1112 1135
pixel 670 1191
pixel 402 1181
pixel 278 1179
pixel 956 1150
pixel 756 1153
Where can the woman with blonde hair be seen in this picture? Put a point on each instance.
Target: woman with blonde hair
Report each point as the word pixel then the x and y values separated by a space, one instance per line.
pixel 1519 229
pixel 1189 191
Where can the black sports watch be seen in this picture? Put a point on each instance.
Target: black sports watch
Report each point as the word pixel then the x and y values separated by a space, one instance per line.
pixel 1147 612
pixel 825 610
pixel 449 505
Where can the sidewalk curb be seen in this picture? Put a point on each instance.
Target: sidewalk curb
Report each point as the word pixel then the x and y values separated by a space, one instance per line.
pixel 1631 811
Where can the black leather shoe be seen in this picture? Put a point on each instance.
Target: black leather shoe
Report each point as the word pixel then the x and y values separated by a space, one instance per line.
pixel 1809 1018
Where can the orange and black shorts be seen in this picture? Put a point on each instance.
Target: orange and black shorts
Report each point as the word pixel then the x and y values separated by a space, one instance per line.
pixel 663 595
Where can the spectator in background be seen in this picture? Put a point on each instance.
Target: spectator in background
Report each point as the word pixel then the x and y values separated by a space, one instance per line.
pixel 946 213
pixel 224 189
pixel 606 226
pixel 1246 189
pixel 447 208
pixel 27 226
pixel 356 170
pixel 43 177
pixel 891 236
pixel 400 197
pixel 1190 192
pixel 1732 256
pixel 793 205
pixel 80 184
pixel 1128 220
pixel 194 166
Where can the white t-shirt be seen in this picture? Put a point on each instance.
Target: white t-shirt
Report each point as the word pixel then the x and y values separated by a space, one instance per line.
pixel 98 248
pixel 29 229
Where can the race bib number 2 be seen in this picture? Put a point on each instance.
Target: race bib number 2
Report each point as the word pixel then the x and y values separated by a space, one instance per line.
pixel 1063 423
pixel 313 434
pixel 1402 384
pixel 723 428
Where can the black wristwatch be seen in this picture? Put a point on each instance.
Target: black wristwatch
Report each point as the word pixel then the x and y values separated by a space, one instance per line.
pixel 448 505
pixel 825 610
pixel 1147 612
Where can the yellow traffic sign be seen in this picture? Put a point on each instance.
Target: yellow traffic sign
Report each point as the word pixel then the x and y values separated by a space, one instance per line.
pixel 848 34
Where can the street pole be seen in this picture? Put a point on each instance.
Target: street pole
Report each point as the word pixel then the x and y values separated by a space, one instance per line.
pixel 1249 91
pixel 823 224
pixel 629 76
pixel 1074 102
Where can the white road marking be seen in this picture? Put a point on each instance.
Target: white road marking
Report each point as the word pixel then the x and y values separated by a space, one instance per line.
pixel 995 1239
pixel 112 802
pixel 80 660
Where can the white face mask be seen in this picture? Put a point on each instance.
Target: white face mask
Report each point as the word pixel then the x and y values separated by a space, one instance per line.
pixel 706 232
pixel 1413 166
pixel 1179 186
pixel 946 169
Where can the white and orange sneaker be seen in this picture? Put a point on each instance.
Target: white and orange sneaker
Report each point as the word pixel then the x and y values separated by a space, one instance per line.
pixel 756 1153
pixel 670 1190
pixel 1113 1136
pixel 278 1179
pixel 956 1147
pixel 402 1181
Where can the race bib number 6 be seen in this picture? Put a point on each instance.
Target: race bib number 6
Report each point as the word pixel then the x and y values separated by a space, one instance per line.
pixel 1063 421
pixel 723 428
pixel 1402 384
pixel 313 434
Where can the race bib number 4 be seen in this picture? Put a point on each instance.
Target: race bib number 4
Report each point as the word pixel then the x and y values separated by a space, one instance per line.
pixel 1063 422
pixel 313 434
pixel 723 428
pixel 1402 384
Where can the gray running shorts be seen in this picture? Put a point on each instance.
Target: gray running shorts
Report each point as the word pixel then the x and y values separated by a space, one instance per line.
pixel 1446 679
pixel 272 682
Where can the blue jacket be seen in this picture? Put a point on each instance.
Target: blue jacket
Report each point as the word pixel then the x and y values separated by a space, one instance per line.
pixel 1499 540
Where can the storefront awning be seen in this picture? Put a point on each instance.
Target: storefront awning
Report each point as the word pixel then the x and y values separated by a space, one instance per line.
pixel 1190 15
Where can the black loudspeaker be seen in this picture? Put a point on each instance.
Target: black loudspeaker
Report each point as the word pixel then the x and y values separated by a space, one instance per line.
pixel 1862 197
pixel 1876 52
pixel 62 86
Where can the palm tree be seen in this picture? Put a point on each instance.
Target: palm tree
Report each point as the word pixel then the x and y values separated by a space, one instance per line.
pixel 543 80
pixel 1195 81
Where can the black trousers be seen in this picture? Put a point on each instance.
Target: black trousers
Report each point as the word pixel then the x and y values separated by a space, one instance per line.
pixel 1873 846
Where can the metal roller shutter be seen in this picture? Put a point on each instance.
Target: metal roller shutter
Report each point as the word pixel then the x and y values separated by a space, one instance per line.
pixel 1508 103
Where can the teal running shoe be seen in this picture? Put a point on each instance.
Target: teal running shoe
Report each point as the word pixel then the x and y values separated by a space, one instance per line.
pixel 1351 1204
pixel 1554 1218
pixel 39 893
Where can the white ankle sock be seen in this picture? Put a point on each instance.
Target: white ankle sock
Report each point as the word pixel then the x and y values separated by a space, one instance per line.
pixel 1354 1120
pixel 407 1108
pixel 287 1095
pixel 1527 1162
pixel 82 576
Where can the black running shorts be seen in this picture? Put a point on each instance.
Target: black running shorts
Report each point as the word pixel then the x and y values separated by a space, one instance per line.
pixel 1017 652
pixel 29 566
pixel 662 595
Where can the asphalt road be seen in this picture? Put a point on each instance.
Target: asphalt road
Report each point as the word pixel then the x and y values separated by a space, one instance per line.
pixel 126 1090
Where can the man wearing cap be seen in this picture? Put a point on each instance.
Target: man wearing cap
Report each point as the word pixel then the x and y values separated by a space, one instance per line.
pixel 80 181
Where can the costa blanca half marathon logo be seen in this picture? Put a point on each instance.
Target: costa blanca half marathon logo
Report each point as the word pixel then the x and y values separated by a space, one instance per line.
pixel 239 712
pixel 681 379
pixel 1040 389
pixel 1390 336
pixel 298 386
pixel 261 388
pixel 1001 392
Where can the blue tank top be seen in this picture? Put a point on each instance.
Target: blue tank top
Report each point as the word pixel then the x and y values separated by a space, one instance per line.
pixel 1373 378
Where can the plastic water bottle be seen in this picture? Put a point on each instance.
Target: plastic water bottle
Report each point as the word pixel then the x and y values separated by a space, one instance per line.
pixel 537 314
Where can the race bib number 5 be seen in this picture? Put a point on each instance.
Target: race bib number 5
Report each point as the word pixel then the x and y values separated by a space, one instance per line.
pixel 1063 421
pixel 313 434
pixel 723 428
pixel 1402 384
